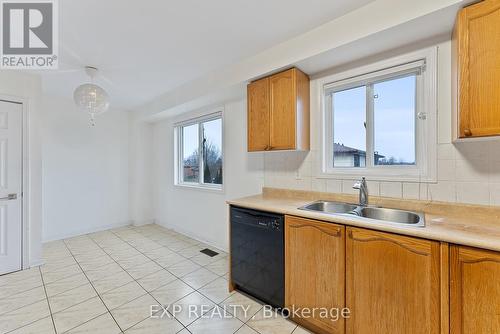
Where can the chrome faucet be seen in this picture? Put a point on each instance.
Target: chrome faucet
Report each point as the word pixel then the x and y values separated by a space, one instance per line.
pixel 363 191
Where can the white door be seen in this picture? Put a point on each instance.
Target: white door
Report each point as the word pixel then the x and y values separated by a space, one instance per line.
pixel 10 186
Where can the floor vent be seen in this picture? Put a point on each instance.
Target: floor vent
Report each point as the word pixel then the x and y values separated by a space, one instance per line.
pixel 209 252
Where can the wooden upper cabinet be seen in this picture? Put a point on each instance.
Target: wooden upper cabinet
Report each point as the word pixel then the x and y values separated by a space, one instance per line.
pixel 474 291
pixel 314 270
pixel 476 70
pixel 283 109
pixel 278 112
pixel 392 283
pixel 258 115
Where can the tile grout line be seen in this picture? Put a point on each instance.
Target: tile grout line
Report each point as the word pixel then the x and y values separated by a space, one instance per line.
pixel 93 287
pixel 147 292
pixel 46 294
pixel 188 258
pixel 46 299
pixel 220 276
pixel 166 268
pixel 19 292
pixel 184 327
pixel 15 294
pixel 217 304
pixel 142 252
pixel 196 290
pixel 179 278
pixel 48 303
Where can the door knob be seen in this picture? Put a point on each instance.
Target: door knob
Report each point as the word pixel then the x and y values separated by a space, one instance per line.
pixel 9 197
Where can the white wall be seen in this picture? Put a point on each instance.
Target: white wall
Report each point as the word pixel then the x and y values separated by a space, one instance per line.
pixel 141 182
pixel 85 170
pixel 467 172
pixel 28 87
pixel 202 214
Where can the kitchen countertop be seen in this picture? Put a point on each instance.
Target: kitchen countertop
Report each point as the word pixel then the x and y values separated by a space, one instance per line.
pixel 476 226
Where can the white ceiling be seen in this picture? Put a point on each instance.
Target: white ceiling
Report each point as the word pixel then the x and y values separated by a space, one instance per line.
pixel 147 48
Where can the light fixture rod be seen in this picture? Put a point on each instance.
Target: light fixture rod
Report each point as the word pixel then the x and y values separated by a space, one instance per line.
pixel 91 71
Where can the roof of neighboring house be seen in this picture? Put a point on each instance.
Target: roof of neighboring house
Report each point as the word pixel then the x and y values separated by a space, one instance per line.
pixel 341 148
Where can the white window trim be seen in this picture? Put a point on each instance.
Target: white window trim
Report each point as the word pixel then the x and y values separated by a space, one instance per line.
pixel 178 152
pixel 426 134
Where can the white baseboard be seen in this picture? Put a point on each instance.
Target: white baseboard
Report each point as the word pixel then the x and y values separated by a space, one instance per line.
pixel 84 231
pixel 35 264
pixel 143 222
pixel 189 234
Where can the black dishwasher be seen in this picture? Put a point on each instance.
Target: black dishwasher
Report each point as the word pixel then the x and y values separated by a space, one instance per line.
pixel 257 254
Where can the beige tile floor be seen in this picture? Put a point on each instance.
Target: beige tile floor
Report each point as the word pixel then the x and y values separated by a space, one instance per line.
pixel 106 282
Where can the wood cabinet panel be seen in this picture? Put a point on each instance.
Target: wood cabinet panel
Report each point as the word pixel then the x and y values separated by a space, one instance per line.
pixel 278 112
pixel 258 115
pixel 392 283
pixel 314 269
pixel 474 291
pixel 302 111
pixel 476 66
pixel 283 94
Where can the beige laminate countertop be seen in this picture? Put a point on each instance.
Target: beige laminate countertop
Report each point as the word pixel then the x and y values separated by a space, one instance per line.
pixel 458 224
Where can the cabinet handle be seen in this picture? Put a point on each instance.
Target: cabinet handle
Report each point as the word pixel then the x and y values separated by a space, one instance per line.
pixel 467 133
pixel 267 148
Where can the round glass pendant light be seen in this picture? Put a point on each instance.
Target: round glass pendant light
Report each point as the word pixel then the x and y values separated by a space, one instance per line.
pixel 90 97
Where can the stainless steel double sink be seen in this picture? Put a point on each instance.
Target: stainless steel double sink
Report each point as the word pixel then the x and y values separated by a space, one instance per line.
pixel 367 213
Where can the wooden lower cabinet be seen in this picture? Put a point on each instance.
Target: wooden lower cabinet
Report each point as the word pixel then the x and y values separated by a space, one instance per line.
pixel 315 270
pixel 474 291
pixel 392 283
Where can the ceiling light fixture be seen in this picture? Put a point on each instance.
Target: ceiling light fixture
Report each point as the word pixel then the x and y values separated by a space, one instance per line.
pixel 90 97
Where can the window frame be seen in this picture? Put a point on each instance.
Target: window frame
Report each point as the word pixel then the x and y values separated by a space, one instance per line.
pixel 179 152
pixel 425 169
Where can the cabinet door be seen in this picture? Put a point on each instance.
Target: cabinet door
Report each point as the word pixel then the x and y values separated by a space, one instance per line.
pixel 474 291
pixel 392 283
pixel 314 269
pixel 478 43
pixel 283 110
pixel 258 115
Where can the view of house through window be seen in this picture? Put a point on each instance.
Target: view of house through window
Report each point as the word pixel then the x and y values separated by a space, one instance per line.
pixel 390 135
pixel 200 152
pixel 349 132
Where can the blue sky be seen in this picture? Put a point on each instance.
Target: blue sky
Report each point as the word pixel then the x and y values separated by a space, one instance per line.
pixel 394 118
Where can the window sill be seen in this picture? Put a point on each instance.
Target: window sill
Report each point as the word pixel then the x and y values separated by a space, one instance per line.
pixel 213 189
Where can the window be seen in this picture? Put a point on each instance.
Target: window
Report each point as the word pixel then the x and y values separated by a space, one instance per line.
pixel 379 120
pixel 199 152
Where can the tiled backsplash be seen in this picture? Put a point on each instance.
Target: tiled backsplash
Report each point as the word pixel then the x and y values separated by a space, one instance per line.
pixel 467 172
